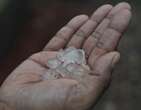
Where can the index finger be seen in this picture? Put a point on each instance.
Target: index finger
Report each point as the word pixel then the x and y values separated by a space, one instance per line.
pixel 63 36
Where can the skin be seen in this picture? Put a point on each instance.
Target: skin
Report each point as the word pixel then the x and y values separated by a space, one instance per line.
pixel 98 35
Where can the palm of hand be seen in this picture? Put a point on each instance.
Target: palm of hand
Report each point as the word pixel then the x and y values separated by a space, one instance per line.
pixel 25 88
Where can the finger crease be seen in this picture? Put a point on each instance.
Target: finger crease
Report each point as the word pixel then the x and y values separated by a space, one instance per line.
pixel 71 27
pixel 81 33
pixel 37 62
pixel 61 36
pixel 97 35
pixel 94 20
pixel 115 29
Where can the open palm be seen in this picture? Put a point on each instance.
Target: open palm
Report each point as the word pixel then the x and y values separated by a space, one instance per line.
pixel 98 36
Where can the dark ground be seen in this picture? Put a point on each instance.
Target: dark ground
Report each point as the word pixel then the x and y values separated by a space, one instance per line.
pixel 27 25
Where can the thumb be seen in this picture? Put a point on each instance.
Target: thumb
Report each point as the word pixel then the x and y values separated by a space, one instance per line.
pixel 104 65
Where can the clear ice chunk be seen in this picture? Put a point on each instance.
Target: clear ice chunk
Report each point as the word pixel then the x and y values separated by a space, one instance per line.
pixel 72 55
pixel 67 63
pixel 53 63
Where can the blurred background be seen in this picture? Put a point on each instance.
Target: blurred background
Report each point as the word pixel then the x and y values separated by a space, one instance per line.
pixel 27 25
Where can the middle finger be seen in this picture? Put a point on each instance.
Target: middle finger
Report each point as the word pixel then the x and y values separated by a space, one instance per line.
pixel 86 29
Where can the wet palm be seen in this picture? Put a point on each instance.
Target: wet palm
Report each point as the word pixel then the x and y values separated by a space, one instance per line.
pixel 98 36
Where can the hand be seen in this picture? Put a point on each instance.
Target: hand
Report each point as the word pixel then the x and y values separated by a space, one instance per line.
pixel 99 35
